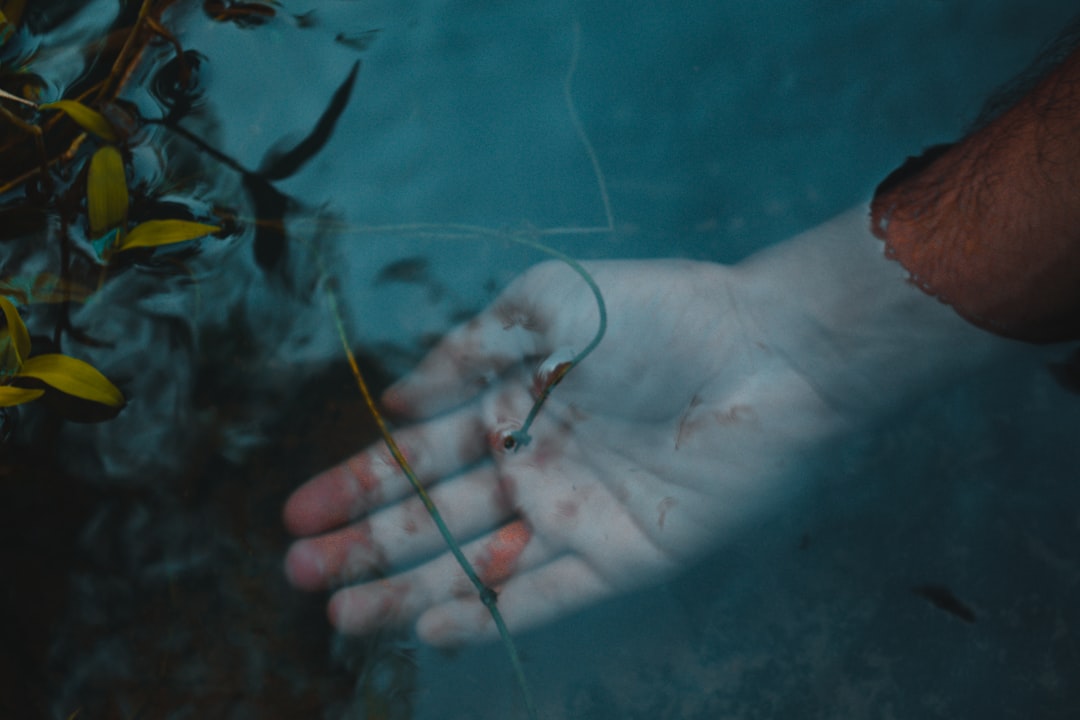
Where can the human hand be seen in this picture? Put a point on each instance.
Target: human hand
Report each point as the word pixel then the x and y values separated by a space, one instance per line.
pixel 678 428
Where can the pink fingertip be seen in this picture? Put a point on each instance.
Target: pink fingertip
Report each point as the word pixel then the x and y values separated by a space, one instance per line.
pixel 330 499
pixel 395 401
pixel 438 630
pixel 357 610
pixel 454 625
pixel 345 614
pixel 305 567
pixel 309 509
pixel 296 514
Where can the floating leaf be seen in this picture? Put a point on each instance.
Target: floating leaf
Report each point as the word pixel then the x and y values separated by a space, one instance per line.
pixel 154 233
pixel 74 377
pixel 17 340
pixel 87 119
pixel 106 191
pixel 17 396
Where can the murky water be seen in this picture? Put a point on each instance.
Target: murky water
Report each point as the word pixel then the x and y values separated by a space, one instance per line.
pixel 720 128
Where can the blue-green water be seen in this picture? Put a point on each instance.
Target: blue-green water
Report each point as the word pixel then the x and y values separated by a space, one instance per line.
pixel 720 128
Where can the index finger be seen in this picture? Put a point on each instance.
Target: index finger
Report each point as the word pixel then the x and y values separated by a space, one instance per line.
pixel 372 478
pixel 472 356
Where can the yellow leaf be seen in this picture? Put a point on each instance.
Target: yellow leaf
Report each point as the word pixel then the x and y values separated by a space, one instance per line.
pixel 106 191
pixel 17 340
pixel 87 119
pixel 154 233
pixel 17 396
pixel 74 377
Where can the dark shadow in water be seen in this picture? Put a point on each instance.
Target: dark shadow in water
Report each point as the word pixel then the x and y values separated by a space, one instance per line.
pixel 177 588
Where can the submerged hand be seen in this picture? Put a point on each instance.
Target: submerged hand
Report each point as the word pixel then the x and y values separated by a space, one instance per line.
pixel 670 434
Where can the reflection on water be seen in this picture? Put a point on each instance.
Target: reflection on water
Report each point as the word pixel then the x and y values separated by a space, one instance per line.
pixel 145 552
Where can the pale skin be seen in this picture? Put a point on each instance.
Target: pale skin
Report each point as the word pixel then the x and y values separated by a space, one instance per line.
pixel 691 419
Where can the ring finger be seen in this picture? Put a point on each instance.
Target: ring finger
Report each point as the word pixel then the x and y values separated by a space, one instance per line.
pixel 401 533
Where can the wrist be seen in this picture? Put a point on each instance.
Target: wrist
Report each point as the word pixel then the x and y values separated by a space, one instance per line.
pixel 846 318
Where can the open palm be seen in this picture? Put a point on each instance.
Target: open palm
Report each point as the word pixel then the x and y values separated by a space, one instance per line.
pixel 675 430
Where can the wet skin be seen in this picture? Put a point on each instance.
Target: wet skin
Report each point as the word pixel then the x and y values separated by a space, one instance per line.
pixel 687 422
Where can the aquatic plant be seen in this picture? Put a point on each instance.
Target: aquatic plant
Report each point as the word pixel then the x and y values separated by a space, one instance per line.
pixel 77 169
pixel 67 374
pixel 36 180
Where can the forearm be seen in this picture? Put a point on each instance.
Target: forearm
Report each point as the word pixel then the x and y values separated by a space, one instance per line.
pixel 991 225
pixel 846 318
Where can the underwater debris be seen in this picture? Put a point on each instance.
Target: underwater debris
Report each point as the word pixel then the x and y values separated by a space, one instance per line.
pixel 413 270
pixel 1067 372
pixel 359 42
pixel 244 14
pixel 943 598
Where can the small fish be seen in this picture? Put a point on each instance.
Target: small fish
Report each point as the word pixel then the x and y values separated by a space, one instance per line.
pixel 409 270
pixel 244 14
pixel 360 41
pixel 942 598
